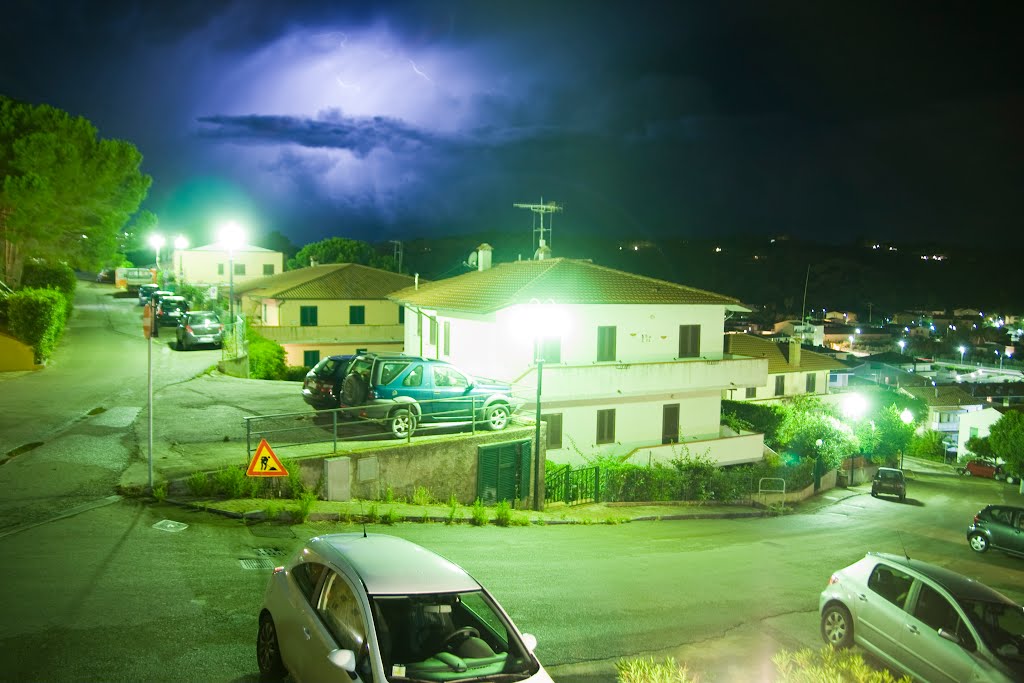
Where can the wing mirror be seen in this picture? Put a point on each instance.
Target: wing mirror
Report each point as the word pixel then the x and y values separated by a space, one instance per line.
pixel 530 641
pixel 343 659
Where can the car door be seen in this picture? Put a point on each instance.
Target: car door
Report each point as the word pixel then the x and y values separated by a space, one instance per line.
pixel 337 622
pixel 451 400
pixel 930 656
pixel 1003 527
pixel 880 611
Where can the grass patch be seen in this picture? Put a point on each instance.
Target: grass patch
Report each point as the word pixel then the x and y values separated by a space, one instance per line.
pixel 160 491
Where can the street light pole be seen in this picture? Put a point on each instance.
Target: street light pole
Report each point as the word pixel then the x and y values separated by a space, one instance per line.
pixel 536 434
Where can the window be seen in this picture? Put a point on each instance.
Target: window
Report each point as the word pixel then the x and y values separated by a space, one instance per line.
pixel 812 382
pixel 937 612
pixel 751 392
pixel 307 316
pixel 605 343
pixel 310 358
pixel 606 426
pixel 268 268
pixel 220 269
pixel 549 349
pixel 449 377
pixel 390 370
pixel 974 433
pixel 447 338
pixel 419 324
pixel 780 385
pixel 401 315
pixel 307 575
pixel 433 331
pixel 339 609
pixel 414 378
pixel 689 341
pixel 357 315
pixel 239 269
pixel 670 423
pixel 554 423
pixel 891 583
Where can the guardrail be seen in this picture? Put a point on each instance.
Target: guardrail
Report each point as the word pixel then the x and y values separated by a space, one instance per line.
pixel 569 486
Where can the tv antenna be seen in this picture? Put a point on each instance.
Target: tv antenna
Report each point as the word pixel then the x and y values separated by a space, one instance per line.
pixel 539 211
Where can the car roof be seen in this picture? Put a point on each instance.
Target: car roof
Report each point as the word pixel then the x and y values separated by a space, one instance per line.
pixel 173 297
pixel 958 585
pixel 388 565
pixel 890 469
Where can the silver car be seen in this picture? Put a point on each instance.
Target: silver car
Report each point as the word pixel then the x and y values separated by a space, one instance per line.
pixel 358 607
pixel 929 622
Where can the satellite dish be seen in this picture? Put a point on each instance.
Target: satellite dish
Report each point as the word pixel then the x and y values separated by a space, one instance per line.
pixel 471 261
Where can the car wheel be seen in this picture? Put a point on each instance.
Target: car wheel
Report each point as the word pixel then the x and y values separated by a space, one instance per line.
pixel 903 497
pixel 837 626
pixel 268 653
pixel 179 346
pixel 874 494
pixel 967 473
pixel 978 542
pixel 497 418
pixel 403 423
pixel 353 390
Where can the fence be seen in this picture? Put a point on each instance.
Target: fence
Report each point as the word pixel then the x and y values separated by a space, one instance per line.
pixel 569 486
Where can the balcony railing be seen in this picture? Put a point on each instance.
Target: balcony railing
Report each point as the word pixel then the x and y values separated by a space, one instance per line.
pixel 325 334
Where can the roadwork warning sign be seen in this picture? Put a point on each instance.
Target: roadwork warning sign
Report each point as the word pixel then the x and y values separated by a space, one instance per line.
pixel 264 463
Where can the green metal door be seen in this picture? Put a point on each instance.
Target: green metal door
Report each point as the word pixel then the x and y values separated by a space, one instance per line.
pixel 503 472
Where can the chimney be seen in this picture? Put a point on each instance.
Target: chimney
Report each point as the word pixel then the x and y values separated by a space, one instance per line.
pixel 794 352
pixel 416 281
pixel 483 258
pixel 313 263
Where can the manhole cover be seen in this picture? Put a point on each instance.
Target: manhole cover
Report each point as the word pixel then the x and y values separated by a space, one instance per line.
pixel 170 525
pixel 258 563
pixel 268 552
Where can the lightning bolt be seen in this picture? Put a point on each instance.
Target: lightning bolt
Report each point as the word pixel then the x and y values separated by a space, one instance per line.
pixel 417 70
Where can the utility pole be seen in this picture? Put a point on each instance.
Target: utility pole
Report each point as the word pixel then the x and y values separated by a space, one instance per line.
pixel 397 253
pixel 540 210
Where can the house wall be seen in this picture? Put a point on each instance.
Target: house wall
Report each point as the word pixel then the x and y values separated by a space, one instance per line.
pixel 796 385
pixel 200 265
pixel 982 421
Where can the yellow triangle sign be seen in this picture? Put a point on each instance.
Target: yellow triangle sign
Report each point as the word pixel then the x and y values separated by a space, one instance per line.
pixel 264 463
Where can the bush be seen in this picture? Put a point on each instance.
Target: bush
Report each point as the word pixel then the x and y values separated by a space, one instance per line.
pixel 391 517
pixel 421 496
pixel 295 373
pixel 306 502
pixel 160 491
pixel 198 484
pixel 503 513
pixel 266 357
pixel 453 510
pixel 650 671
pixel 232 482
pixel 478 515
pixel 762 418
pixel 37 317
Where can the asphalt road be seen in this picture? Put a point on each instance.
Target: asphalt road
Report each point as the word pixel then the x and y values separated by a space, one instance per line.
pixel 93 591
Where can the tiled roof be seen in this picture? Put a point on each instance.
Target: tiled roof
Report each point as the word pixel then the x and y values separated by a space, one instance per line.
pixel 329 281
pixel 244 248
pixel 564 281
pixel 943 395
pixel 777 354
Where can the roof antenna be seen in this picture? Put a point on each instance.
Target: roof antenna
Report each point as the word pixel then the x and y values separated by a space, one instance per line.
pixel 903 545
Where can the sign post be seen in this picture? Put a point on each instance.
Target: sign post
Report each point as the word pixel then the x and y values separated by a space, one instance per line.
pixel 147 331
pixel 265 462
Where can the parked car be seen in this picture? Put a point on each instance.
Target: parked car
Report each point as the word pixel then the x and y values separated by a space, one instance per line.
pixel 358 607
pixel 924 620
pixel 982 468
pixel 146 293
pixel 1000 527
pixel 196 328
pixel 105 276
pixel 322 386
pixel 890 481
pixel 169 310
pixel 406 390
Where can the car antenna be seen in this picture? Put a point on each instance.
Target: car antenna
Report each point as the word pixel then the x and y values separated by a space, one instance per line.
pixel 363 516
pixel 903 545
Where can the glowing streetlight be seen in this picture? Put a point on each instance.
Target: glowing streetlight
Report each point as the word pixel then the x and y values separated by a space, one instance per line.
pixel 902 343
pixel 157 241
pixel 854 406
pixel 962 350
pixel 906 417
pixel 180 245
pixel 231 237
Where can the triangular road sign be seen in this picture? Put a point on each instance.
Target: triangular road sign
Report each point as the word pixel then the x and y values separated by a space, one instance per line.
pixel 264 463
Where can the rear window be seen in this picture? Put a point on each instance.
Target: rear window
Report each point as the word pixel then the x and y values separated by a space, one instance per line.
pixel 203 318
pixel 328 366
pixel 392 369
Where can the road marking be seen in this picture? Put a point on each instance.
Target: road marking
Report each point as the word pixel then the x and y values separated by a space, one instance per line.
pixel 67 513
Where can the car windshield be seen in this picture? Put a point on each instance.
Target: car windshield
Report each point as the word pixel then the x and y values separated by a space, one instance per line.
pixel 889 474
pixel 447 637
pixel 1000 625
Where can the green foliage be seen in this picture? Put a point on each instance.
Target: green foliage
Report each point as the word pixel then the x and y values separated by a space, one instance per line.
pixel 341 250
pixel 810 428
pixel 266 357
pixel 762 418
pixel 928 445
pixel 373 514
pixel 478 514
pixel 736 423
pixel 37 317
pixel 648 670
pixel 503 513
pixel 453 510
pixel 198 484
pixel 1006 437
pixel 160 491
pixel 294 484
pixel 232 482
pixel 421 496
pixel 390 517
pixel 388 495
pixel 39 274
pixel 828 664
pixel 980 446
pixel 307 499
pixel 295 373
pixel 273 509
pixel 66 193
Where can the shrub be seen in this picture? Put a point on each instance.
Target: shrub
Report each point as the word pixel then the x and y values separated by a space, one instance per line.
pixel 295 373
pixel 478 515
pixel 266 357
pixel 391 517
pixel 198 484
pixel 828 664
pixel 421 496
pixel 373 515
pixel 59 276
pixel 502 513
pixel 306 502
pixel 232 482
pixel 650 671
pixel 160 491
pixel 293 485
pixel 37 317
pixel 762 418
pixel 453 510
pixel 273 509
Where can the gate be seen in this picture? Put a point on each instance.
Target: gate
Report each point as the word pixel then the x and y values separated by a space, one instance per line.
pixel 503 472
pixel 573 486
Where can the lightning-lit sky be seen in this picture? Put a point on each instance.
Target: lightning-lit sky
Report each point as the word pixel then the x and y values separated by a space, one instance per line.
pixel 389 120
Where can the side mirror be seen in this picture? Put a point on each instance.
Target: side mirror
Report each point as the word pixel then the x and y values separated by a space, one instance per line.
pixel 530 641
pixel 343 659
pixel 951 637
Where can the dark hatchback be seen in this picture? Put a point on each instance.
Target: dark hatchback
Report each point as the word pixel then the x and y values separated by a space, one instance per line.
pixel 889 481
pixel 322 386
pixel 1000 527
pixel 196 328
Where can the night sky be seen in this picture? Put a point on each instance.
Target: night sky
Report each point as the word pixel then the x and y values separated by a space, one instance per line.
pixel 829 121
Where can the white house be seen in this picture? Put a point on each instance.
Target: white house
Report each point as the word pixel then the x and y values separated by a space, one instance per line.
pixel 792 370
pixel 212 264
pixel 325 310
pixel 975 424
pixel 947 406
pixel 632 366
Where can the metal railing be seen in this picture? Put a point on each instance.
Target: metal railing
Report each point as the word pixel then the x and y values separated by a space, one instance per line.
pixel 569 486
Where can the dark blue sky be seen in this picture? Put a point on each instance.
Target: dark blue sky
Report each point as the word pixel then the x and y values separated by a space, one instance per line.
pixel 822 120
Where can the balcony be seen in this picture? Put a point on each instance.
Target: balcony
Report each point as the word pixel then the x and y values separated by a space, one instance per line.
pixel 332 334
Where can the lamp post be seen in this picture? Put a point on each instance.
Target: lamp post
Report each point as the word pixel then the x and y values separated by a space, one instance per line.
pixel 180 245
pixel 157 241
pixel 902 343
pixel 962 349
pixel 231 238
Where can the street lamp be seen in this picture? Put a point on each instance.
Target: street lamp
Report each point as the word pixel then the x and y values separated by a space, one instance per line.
pixel 231 237
pixel 962 349
pixel 157 241
pixel 180 245
pixel 902 343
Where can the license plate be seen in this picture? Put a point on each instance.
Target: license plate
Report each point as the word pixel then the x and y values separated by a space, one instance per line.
pixel 206 340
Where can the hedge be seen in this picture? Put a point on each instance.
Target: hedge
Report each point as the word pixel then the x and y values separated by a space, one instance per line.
pixel 37 317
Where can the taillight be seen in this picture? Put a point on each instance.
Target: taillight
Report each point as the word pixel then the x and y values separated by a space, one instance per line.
pixel 188 328
pixel 278 570
pixel 977 518
pixel 371 395
pixel 833 580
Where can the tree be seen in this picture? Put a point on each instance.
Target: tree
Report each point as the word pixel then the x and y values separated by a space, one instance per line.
pixel 810 428
pixel 928 445
pixel 891 435
pixel 65 193
pixel 1006 437
pixel 980 446
pixel 341 250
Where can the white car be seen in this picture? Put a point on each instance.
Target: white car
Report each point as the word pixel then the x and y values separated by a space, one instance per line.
pixel 358 607
pixel 929 622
